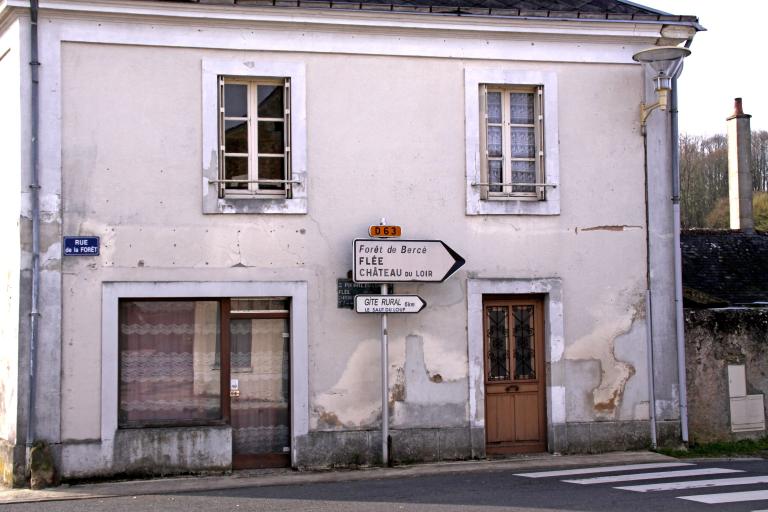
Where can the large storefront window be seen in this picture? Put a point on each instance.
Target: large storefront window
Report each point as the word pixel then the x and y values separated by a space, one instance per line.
pixel 167 355
pixel 206 362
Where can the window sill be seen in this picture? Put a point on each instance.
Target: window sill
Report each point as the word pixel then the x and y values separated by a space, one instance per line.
pixel 255 204
pixel 529 199
pixel 138 425
pixel 512 206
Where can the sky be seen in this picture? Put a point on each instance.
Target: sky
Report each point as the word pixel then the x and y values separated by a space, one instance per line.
pixel 727 61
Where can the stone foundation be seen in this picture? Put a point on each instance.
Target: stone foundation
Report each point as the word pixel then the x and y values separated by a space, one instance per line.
pixel 12 467
pixel 363 447
pixel 609 436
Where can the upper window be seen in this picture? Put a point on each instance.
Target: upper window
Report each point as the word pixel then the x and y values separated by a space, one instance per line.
pixel 512 142
pixel 254 135
pixel 511 130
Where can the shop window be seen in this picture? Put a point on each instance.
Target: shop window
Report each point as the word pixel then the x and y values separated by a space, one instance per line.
pixel 216 361
pixel 167 351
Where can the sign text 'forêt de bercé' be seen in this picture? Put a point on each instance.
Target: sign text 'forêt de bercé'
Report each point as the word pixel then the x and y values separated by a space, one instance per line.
pixel 386 261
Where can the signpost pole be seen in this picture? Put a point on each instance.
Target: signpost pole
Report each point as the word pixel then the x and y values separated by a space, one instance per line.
pixel 384 387
pixel 384 381
pixel 378 259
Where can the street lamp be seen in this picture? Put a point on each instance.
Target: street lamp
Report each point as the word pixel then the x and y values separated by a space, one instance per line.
pixel 666 61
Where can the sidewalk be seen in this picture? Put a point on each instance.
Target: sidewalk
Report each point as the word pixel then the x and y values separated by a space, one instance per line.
pixel 263 478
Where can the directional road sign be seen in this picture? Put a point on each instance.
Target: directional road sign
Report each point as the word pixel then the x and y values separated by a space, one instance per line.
pixel 387 261
pixel 389 303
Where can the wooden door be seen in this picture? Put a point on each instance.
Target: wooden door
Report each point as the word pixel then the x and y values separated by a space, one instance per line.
pixel 515 407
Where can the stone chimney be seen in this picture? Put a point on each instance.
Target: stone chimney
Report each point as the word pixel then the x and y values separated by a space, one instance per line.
pixel 739 169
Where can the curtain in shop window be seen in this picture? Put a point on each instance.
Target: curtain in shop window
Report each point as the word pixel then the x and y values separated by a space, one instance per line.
pixel 167 365
pixel 260 415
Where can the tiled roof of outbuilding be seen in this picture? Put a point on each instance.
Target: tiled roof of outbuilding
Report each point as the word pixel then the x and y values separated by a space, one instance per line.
pixel 724 267
pixel 563 9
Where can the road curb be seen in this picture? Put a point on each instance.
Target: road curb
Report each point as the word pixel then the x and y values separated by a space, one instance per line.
pixel 282 477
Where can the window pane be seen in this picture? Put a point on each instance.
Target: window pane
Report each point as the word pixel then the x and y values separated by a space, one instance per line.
pixel 271 168
pixel 236 168
pixel 271 137
pixel 494 107
pixel 235 100
pixel 525 360
pixel 523 172
pixel 498 342
pixel 521 108
pixel 236 136
pixel 167 362
pixel 240 344
pixel 523 142
pixel 260 304
pixel 494 141
pixel 494 175
pixel 270 101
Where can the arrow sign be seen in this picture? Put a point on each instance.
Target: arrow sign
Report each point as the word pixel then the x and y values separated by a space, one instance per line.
pixel 387 261
pixel 389 303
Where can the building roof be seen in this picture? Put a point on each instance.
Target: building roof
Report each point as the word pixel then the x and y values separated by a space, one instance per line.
pixel 724 268
pixel 559 9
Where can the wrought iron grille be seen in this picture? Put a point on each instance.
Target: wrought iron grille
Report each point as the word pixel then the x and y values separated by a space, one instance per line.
pixel 498 342
pixel 525 358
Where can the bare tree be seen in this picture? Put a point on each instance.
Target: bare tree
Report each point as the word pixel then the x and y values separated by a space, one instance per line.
pixel 704 176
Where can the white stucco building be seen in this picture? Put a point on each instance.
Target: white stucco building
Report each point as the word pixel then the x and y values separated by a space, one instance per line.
pixel 226 154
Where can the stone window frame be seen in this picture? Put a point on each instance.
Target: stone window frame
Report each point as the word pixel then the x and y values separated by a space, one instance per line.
pixel 474 80
pixel 295 72
pixel 112 292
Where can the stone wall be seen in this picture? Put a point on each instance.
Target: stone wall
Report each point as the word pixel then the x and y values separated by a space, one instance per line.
pixel 716 339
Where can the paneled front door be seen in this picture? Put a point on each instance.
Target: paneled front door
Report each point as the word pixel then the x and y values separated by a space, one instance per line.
pixel 259 382
pixel 515 408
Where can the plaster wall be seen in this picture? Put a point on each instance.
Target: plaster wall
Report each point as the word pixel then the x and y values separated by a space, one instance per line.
pixel 14 322
pixel 10 227
pixel 385 139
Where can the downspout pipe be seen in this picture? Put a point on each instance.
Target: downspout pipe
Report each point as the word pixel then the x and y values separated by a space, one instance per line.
pixel 649 303
pixel 34 190
pixel 678 265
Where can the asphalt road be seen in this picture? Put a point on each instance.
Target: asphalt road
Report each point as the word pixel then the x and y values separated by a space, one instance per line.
pixel 495 490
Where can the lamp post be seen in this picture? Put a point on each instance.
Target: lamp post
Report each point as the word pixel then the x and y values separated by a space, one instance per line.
pixel 666 61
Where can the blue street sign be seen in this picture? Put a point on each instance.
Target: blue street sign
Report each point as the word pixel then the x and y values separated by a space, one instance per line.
pixel 81 246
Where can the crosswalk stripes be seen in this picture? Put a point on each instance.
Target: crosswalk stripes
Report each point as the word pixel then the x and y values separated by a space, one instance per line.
pixel 639 472
pixel 603 469
pixel 728 497
pixel 652 476
pixel 695 484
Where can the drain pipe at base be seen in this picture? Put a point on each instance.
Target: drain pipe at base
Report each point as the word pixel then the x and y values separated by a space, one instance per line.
pixel 34 190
